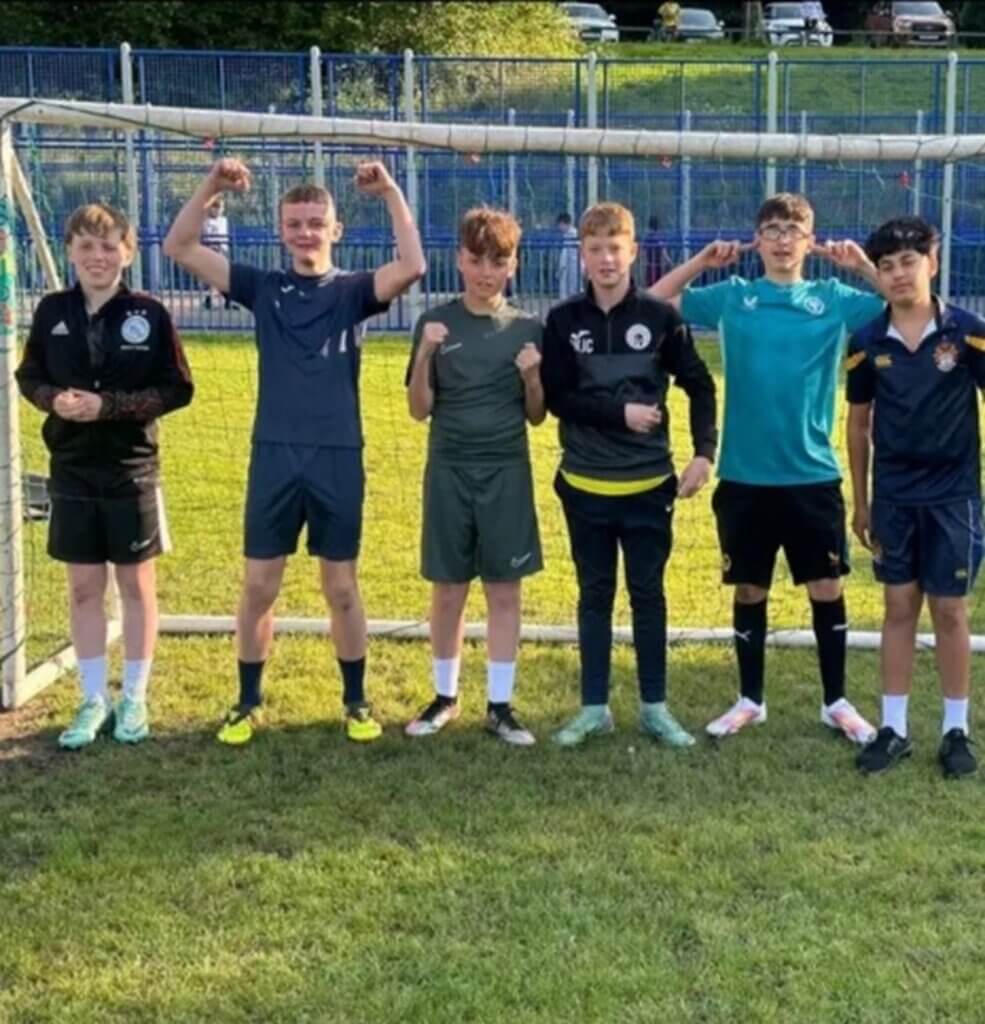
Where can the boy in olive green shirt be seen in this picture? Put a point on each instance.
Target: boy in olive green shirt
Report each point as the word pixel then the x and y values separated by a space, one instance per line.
pixel 475 370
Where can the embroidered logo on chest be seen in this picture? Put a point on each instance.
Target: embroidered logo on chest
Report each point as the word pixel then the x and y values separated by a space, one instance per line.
pixel 750 301
pixel 814 305
pixel 581 342
pixel 638 337
pixel 946 356
pixel 883 361
pixel 135 329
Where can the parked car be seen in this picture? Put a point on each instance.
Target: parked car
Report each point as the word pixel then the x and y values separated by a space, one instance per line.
pixel 798 24
pixel 592 22
pixel 910 23
pixel 695 25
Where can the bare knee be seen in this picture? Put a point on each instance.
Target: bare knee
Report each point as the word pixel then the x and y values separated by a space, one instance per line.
pixel 447 598
pixel 903 606
pixel 259 594
pixel 748 593
pixel 503 598
pixel 950 615
pixel 87 589
pixel 342 596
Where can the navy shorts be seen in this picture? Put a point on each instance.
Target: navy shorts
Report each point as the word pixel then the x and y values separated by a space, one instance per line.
pixel 939 547
pixel 293 485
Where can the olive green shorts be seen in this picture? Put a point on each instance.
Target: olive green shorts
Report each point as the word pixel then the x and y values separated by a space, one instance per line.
pixel 479 521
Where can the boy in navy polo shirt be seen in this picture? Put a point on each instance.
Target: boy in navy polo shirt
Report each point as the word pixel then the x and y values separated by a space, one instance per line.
pixel 782 339
pixel 306 460
pixel 913 378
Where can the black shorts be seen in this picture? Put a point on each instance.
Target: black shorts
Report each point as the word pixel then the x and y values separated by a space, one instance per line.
pixel 97 519
pixel 293 485
pixel 806 520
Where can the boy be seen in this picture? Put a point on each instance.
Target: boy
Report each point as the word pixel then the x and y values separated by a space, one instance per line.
pixel 912 380
pixel 608 358
pixel 474 370
pixel 779 480
pixel 306 459
pixel 104 363
pixel 215 235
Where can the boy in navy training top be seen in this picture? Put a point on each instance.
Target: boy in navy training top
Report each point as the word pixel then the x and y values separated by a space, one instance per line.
pixel 306 461
pixel 913 378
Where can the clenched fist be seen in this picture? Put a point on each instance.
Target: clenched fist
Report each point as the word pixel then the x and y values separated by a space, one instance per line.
pixel 373 179
pixel 528 360
pixel 230 175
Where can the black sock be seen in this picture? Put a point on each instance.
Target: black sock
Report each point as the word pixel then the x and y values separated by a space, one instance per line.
pixel 250 673
pixel 830 629
pixel 353 673
pixel 500 707
pixel 445 701
pixel 749 623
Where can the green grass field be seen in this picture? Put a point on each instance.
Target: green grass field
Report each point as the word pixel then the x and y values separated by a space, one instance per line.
pixel 453 880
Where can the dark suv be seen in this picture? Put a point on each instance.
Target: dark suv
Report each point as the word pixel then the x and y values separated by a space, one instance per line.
pixel 909 23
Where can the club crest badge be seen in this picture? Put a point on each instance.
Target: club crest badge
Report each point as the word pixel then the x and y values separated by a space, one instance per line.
pixel 946 356
pixel 136 329
pixel 814 305
pixel 638 337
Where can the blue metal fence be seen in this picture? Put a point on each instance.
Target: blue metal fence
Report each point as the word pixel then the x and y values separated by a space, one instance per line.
pixel 692 200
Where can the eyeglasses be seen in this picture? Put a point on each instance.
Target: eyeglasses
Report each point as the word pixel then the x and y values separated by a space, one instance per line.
pixel 774 232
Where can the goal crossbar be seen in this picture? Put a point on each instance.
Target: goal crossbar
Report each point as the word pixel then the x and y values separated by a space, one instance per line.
pixel 489 138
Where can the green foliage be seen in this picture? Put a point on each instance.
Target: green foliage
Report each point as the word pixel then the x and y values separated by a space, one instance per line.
pixel 517 29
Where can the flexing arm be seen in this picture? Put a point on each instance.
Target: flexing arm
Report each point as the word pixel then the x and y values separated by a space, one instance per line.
pixel 528 363
pixel 420 394
pixel 183 242
pixel 859 432
pixel 395 277
pixel 714 256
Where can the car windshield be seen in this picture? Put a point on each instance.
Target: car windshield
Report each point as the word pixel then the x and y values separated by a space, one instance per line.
pixel 697 17
pixel 585 11
pixel 789 11
pixel 918 10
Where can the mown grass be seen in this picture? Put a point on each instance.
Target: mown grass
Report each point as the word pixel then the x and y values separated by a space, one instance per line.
pixel 303 879
pixel 307 880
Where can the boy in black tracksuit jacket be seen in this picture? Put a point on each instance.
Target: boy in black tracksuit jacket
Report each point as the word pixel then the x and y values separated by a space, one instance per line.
pixel 105 363
pixel 607 362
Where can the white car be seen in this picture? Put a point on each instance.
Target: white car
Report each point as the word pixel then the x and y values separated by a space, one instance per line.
pixel 797 24
pixel 592 22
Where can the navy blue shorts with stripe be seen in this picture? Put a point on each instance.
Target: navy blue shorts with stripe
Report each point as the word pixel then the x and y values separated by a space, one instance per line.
pixel 291 486
pixel 938 547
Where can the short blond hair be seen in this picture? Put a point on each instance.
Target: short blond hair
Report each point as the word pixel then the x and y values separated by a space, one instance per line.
pixel 306 194
pixel 100 219
pixel 485 231
pixel 607 219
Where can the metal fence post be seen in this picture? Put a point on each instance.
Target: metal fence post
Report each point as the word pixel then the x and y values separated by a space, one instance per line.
pixel 317 109
pixel 511 195
pixel 772 100
pixel 413 202
pixel 592 121
pixel 802 177
pixel 918 170
pixel 685 214
pixel 569 176
pixel 130 158
pixel 13 624
pixel 947 187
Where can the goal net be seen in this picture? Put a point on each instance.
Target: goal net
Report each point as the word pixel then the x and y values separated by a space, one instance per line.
pixel 685 188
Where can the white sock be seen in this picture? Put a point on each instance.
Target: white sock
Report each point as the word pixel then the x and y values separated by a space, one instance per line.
pixel 136 675
pixel 894 713
pixel 445 672
pixel 955 715
pixel 93 673
pixel 500 676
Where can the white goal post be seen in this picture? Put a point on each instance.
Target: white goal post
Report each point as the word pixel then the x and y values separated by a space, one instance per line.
pixel 19 683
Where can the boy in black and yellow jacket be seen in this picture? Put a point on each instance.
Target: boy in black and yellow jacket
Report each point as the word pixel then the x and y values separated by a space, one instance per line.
pixel 609 356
